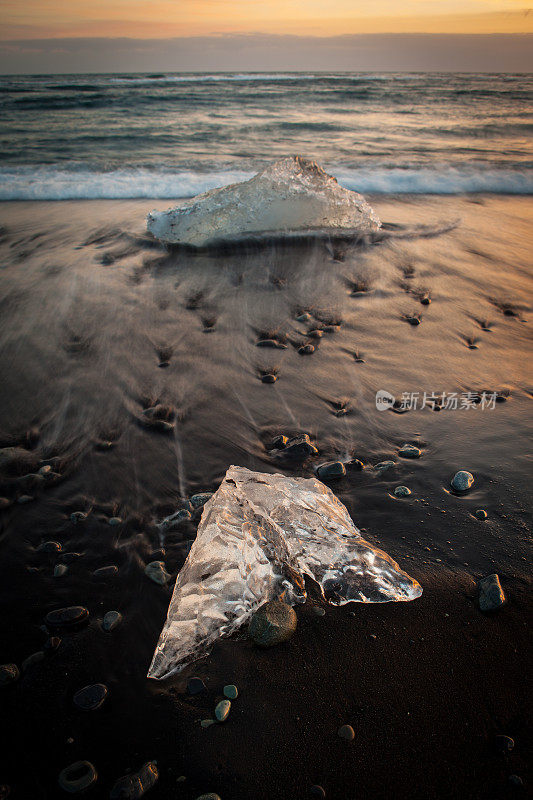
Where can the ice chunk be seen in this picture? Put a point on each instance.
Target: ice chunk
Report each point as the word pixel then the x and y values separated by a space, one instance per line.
pixel 259 535
pixel 291 197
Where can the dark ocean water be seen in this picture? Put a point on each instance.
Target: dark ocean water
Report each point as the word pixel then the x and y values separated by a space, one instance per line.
pixel 174 135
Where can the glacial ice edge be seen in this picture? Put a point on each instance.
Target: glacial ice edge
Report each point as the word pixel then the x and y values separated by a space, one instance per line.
pixel 259 536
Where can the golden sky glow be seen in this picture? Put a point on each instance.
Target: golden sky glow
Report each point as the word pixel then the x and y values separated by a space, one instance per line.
pixel 166 18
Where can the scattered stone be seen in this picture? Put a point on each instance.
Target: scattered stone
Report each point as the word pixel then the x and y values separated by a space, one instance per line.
pixel 515 780
pixel 279 442
pixel 206 723
pixel 77 777
pixel 269 378
pixel 333 328
pixel 157 573
pixel 409 451
pixel 305 317
pixel 346 732
pixel 317 791
pixel 412 320
pixel 383 466
pixel 230 691
pixel 271 343
pixel 60 570
pixel 133 786
pixel 68 558
pixel 35 658
pixel 222 710
pixel 306 349
pixel 300 447
pixel 504 744
pixel 195 686
pixel 114 521
pixel 354 464
pixel 273 623
pixel 481 514
pixel 316 333
pixel 175 520
pixel 78 516
pixel 66 617
pixel 111 620
pixel 198 500
pixel 209 796
pixel 319 611
pixel 25 498
pixel 104 444
pixel 425 300
pixel 331 470
pixel 462 481
pixel 105 572
pixel 9 673
pixel 491 595
pixel 91 697
pixel 402 491
pixel 49 547
pixel 44 470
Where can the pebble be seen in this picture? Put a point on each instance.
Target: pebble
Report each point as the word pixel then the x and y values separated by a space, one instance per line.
pixel 504 744
pixel 491 595
pixel 402 491
pixel 105 572
pixel 91 697
pixel 44 470
pixel 35 658
pixel 198 500
pixel 305 317
pixel 330 470
pixel 271 343
pixel 316 334
pixel 66 617
pixel 157 573
pixel 409 451
pixel 300 447
pixel 111 620
pixel 481 514
pixel 272 623
pixel 222 710
pixel 319 611
pixel 133 786
pixel 412 320
pixel 279 442
pixel 425 300
pixel 355 464
pixel 78 516
pixel 206 723
pixel 24 498
pixel 9 673
pixel 49 547
pixel 114 521
pixel 230 691
pixel 462 481
pixel 60 570
pixel 346 732
pixel 195 686
pixel 175 520
pixel 68 558
pixel 317 791
pixel 306 349
pixel 383 466
pixel 77 777
pixel 268 378
pixel 515 780
pixel 209 796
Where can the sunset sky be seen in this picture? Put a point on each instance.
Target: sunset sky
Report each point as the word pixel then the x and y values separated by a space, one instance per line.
pixel 46 22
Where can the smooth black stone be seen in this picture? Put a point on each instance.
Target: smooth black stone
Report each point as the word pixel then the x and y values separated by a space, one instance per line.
pixel 279 442
pixel 91 697
pixel 300 447
pixel 66 617
pixel 268 379
pixel 354 464
pixel 133 786
pixel 306 350
pixel 317 791
pixel 504 744
pixel 105 572
pixel 195 686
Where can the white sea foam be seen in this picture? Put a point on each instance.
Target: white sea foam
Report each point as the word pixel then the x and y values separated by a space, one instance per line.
pixel 51 183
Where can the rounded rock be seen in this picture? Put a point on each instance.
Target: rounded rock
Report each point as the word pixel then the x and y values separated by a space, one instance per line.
pixel 200 499
pixel 346 732
pixel 481 514
pixel 354 464
pixel 78 516
pixel 230 691
pixel 383 466
pixel 157 573
pixel 9 673
pixel 269 378
pixel 462 481
pixel 195 686
pixel 114 521
pixel 319 611
pixel 317 791
pixel 131 787
pixel 409 451
pixel 77 777
pixel 504 744
pixel 222 710
pixel 49 547
pixel 111 620
pixel 279 442
pixel 105 572
pixel 402 491
pixel 91 697
pixel 60 570
pixel 209 796
pixel 491 594
pixel 273 623
pixel 515 780
pixel 306 349
pixel 66 617
pixel 305 317
pixel 331 470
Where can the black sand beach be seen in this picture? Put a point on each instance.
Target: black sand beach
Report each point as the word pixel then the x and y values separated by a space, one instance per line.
pixel 98 324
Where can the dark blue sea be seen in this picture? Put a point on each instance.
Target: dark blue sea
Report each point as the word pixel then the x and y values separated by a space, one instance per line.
pixel 175 135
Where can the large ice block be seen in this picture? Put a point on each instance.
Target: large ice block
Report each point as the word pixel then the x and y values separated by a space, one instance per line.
pixel 259 535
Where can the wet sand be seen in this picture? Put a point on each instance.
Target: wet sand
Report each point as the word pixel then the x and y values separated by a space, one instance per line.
pixel 90 309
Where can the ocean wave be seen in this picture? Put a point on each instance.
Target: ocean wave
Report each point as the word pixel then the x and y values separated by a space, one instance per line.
pixel 50 183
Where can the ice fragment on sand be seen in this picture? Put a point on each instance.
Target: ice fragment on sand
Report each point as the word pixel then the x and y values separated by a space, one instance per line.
pixel 259 535
pixel 293 196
